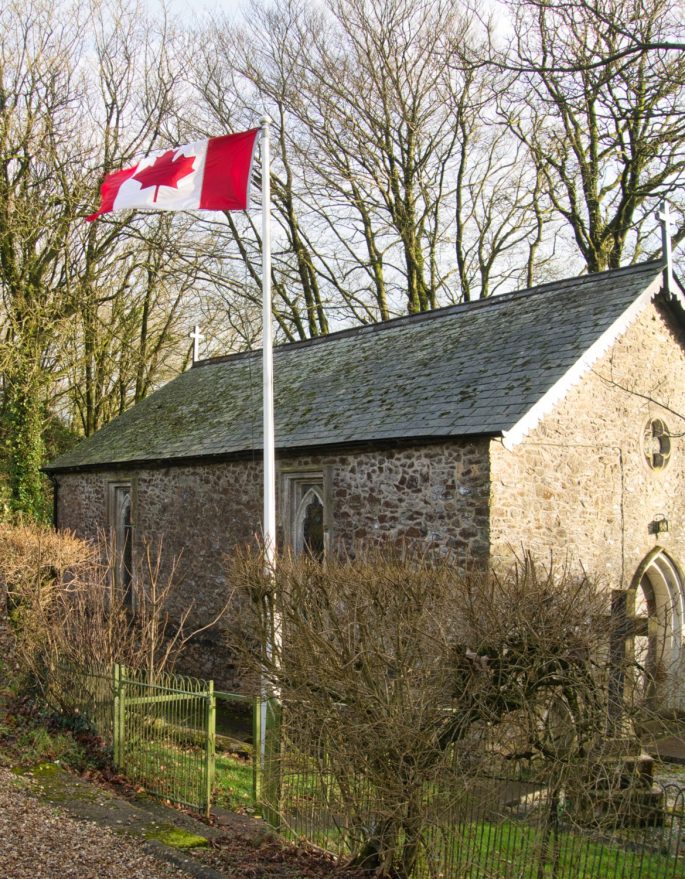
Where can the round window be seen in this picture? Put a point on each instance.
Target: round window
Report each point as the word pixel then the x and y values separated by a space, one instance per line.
pixel 656 444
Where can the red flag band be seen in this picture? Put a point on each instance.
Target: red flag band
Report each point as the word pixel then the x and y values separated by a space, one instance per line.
pixel 208 175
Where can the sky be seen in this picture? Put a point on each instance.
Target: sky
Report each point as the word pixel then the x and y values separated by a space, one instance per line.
pixel 196 8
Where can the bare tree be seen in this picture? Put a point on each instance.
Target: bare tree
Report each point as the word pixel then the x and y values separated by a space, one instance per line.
pixel 90 312
pixel 500 211
pixel 127 275
pixel 227 101
pixel 385 146
pixel 607 14
pixel 607 140
pixel 41 89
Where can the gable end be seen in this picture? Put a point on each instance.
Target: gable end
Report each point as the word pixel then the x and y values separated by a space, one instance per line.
pixel 512 437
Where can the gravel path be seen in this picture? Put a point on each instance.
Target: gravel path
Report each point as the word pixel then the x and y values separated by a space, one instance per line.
pixel 36 842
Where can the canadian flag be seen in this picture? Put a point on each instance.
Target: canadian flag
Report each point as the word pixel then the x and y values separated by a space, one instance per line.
pixel 208 175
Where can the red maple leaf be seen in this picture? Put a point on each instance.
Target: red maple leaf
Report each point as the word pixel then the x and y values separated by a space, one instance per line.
pixel 165 171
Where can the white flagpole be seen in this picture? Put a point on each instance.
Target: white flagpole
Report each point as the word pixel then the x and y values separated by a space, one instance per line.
pixel 269 525
pixel 267 354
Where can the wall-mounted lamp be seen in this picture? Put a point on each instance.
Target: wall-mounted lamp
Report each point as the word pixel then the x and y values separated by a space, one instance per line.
pixel 659 525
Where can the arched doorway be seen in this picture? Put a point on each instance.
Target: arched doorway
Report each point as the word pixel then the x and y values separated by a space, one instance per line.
pixel 659 611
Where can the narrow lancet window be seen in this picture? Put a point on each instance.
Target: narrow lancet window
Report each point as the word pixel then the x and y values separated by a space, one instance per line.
pixel 312 525
pixel 122 534
pixel 305 514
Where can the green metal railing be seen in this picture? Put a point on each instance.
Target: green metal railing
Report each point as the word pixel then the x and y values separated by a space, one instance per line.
pixel 161 728
pixel 162 733
pixel 267 758
pixel 92 697
pixel 165 734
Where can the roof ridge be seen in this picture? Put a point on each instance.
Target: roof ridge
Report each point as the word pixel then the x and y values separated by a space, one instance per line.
pixel 462 307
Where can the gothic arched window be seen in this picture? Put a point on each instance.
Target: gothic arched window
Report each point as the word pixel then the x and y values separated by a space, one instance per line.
pixel 309 524
pixel 305 514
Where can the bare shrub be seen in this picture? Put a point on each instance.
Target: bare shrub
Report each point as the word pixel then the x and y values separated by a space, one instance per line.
pixel 402 672
pixel 67 615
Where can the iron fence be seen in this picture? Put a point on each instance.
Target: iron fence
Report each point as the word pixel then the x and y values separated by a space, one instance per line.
pixel 494 826
pixel 161 729
pixel 91 696
pixel 164 734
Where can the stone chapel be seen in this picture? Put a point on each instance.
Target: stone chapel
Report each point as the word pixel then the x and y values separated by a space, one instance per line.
pixel 550 419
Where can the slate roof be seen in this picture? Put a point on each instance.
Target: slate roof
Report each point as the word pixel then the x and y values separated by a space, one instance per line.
pixel 463 370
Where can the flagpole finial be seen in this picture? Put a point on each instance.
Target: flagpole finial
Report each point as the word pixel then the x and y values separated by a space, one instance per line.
pixel 266 120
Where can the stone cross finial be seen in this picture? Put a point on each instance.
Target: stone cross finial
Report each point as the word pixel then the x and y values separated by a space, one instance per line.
pixel 196 335
pixel 664 217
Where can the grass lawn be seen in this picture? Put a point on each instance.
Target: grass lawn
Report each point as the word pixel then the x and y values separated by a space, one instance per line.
pixel 233 783
pixel 512 851
pixel 178 773
pixel 169 771
pixel 508 849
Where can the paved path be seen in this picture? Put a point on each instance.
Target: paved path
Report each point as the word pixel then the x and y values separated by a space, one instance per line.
pixel 55 825
pixel 41 841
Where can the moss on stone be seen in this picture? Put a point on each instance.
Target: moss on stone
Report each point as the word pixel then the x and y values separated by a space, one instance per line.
pixel 54 785
pixel 175 837
pixel 40 771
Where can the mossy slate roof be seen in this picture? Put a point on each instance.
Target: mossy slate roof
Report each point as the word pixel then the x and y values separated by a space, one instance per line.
pixel 463 370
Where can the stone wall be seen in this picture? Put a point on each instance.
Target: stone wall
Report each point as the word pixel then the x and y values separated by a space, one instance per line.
pixel 579 485
pixel 194 517
pixel 433 495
